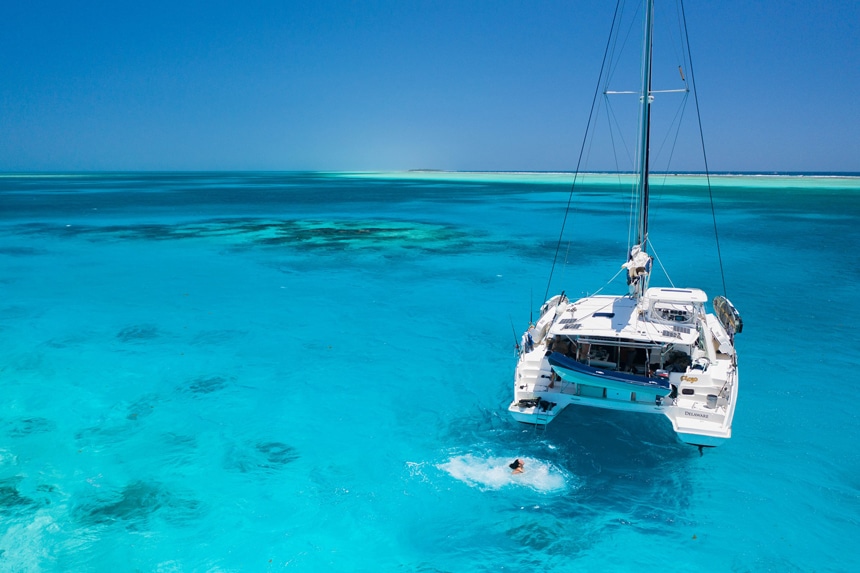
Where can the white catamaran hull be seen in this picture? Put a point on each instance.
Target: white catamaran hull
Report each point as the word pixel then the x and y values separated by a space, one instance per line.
pixel 574 355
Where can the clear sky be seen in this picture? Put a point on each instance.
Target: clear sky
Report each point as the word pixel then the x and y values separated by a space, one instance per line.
pixel 377 85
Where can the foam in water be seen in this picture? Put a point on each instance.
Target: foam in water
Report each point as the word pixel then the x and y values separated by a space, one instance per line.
pixel 494 473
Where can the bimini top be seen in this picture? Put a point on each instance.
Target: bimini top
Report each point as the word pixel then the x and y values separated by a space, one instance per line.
pixel 676 295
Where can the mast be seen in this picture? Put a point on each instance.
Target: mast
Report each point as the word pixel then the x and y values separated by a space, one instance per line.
pixel 644 130
pixel 639 263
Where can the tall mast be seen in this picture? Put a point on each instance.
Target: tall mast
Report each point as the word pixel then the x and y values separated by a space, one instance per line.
pixel 644 130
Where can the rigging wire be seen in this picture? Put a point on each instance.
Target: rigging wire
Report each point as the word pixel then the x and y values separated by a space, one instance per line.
pixel 653 249
pixel 581 151
pixel 679 117
pixel 676 39
pixel 613 127
pixel 613 124
pixel 622 269
pixel 616 50
pixel 604 78
pixel 704 154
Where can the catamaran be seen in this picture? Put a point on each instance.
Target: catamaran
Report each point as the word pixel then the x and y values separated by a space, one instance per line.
pixel 655 350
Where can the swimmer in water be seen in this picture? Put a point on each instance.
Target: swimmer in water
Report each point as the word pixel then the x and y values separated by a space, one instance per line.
pixel 517 466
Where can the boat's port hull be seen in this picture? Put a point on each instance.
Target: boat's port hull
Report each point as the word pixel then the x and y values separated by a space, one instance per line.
pixel 527 416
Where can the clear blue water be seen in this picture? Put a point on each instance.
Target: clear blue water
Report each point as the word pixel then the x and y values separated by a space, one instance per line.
pixel 309 372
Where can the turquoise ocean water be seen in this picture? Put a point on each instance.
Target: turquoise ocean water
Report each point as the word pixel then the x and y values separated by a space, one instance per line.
pixel 263 372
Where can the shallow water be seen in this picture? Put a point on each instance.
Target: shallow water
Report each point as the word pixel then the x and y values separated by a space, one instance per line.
pixel 258 372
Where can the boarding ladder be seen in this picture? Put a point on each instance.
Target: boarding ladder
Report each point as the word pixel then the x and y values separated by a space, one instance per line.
pixel 542 418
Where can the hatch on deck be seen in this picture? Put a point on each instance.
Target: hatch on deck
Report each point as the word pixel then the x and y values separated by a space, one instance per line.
pixel 676 295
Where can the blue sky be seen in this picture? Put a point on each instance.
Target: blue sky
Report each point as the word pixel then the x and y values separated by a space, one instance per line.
pixel 326 85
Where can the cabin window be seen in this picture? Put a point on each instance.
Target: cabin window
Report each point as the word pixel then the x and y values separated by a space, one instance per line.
pixel 601 355
pixel 634 360
pixel 676 361
pixel 674 312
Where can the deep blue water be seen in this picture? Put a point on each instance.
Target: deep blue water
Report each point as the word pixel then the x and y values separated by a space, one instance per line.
pixel 303 371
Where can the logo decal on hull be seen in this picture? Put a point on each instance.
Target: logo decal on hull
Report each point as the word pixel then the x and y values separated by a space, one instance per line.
pixel 695 414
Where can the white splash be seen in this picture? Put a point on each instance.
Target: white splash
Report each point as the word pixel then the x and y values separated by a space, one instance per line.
pixel 493 473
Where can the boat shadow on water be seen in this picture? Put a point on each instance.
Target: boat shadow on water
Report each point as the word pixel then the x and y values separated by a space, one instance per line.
pixel 603 449
pixel 621 473
pixel 630 466
pixel 616 437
